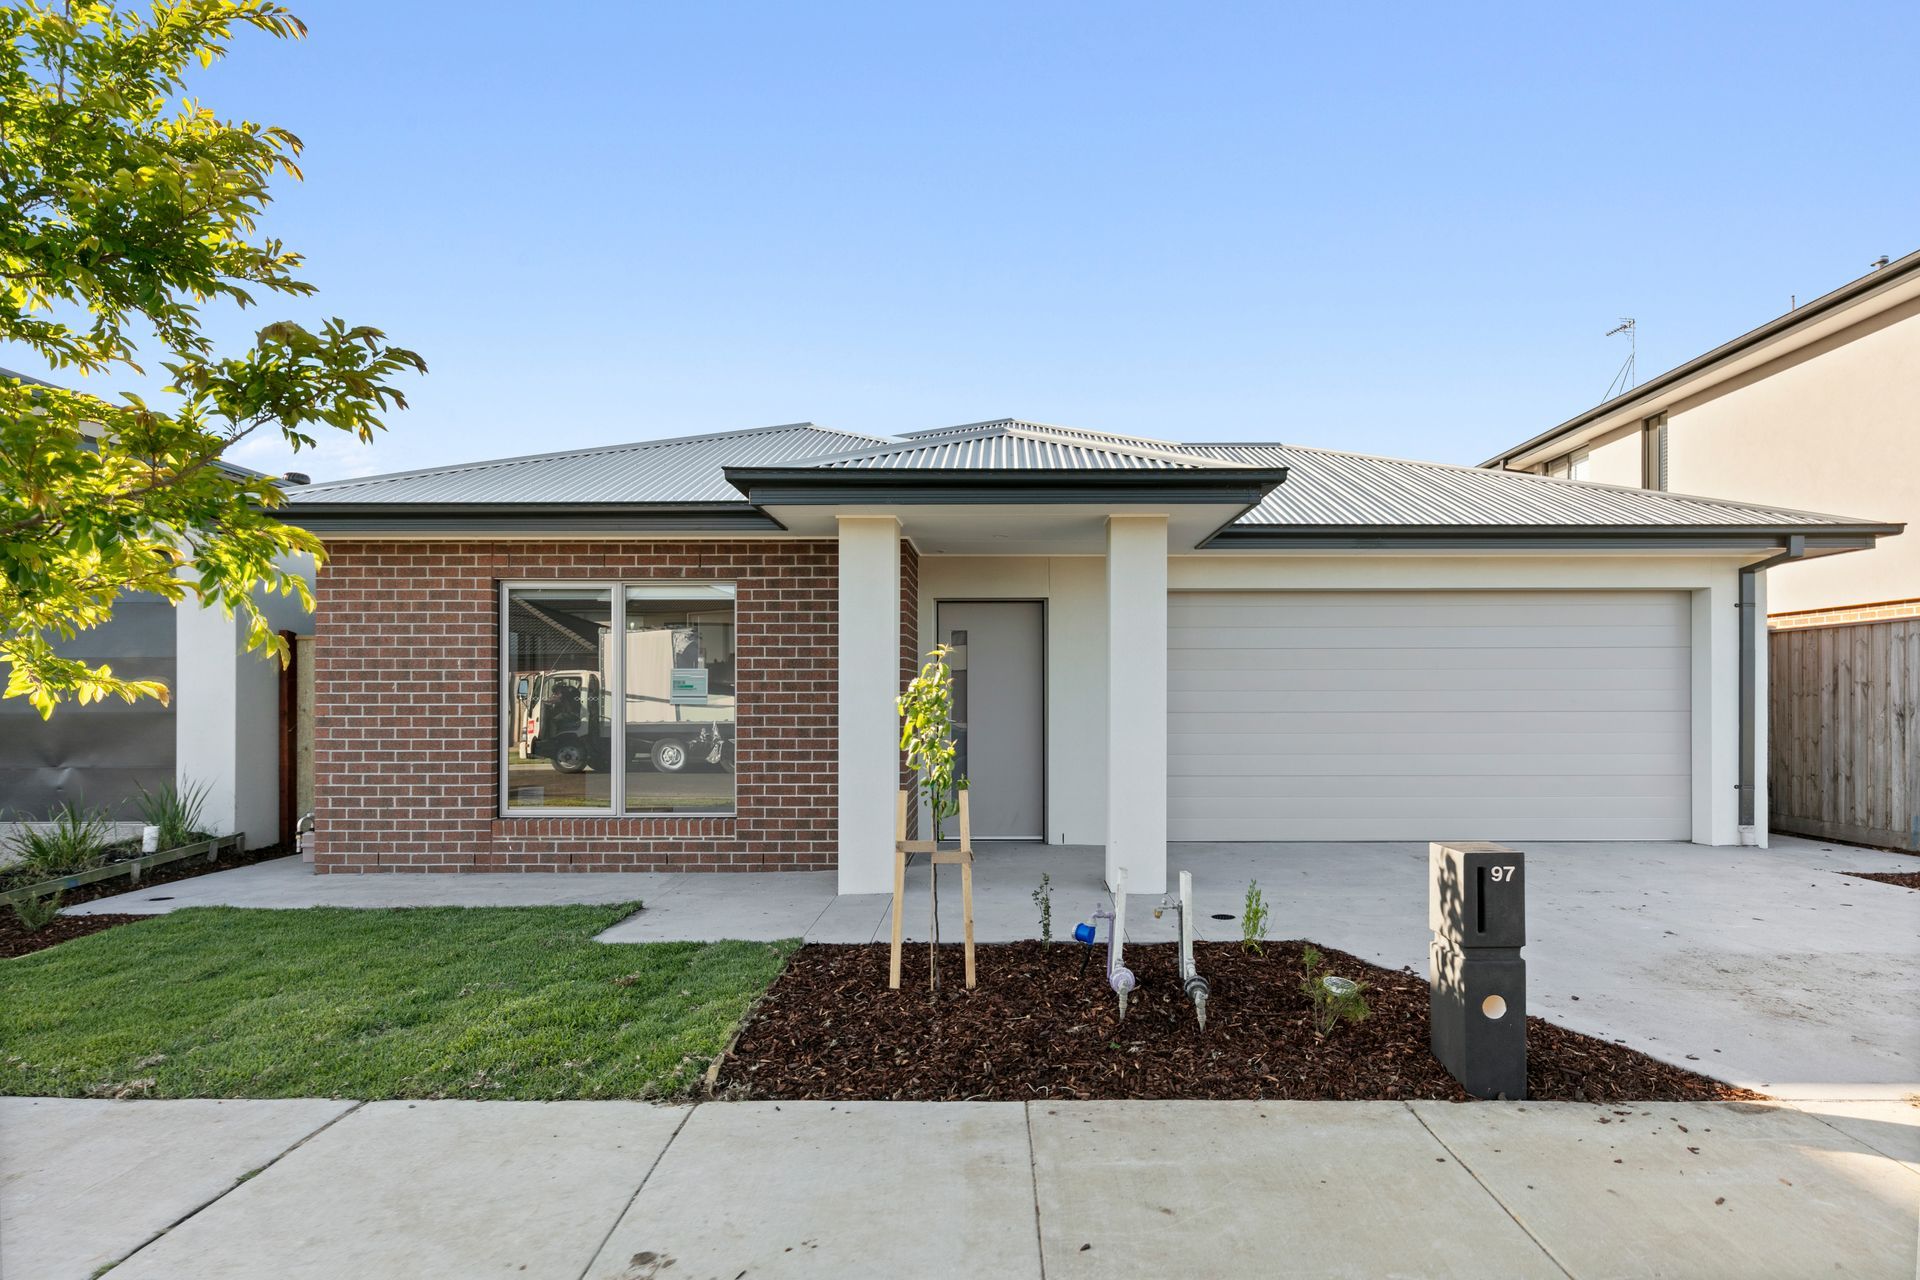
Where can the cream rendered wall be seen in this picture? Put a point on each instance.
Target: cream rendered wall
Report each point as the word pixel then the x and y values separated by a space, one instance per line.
pixel 1714 584
pixel 1615 458
pixel 1075 591
pixel 1834 428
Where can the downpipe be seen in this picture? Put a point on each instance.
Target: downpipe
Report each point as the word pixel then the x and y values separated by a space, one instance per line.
pixel 1751 629
pixel 1191 981
pixel 1119 977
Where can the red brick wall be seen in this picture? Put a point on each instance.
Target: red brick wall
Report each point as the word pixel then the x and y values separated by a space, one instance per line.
pixel 407 724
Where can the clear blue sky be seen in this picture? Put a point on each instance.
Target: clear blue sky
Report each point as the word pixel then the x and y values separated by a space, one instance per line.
pixel 1399 230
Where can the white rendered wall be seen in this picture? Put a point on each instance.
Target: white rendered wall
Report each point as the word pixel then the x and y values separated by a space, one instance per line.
pixel 227 713
pixel 869 686
pixel 1137 701
pixel 1074 591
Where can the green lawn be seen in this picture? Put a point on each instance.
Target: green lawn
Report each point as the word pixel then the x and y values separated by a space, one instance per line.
pixel 442 1002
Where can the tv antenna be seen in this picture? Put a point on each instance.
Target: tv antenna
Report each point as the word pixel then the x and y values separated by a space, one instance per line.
pixel 1625 380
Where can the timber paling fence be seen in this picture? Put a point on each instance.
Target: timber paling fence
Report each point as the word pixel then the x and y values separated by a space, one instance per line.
pixel 1843 718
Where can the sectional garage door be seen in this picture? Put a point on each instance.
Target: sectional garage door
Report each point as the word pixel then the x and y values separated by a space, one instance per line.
pixel 1540 715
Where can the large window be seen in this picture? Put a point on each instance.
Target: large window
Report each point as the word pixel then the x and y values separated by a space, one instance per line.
pixel 669 746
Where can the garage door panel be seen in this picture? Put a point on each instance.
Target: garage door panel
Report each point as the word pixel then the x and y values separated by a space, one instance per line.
pixel 1419 638
pixel 1413 658
pixel 1368 786
pixel 1429 715
pixel 1556 726
pixel 1428 607
pixel 1629 825
pixel 1388 765
pixel 1453 702
pixel 1543 807
pixel 1674 676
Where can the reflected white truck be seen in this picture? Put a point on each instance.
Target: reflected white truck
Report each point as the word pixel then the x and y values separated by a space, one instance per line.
pixel 675 718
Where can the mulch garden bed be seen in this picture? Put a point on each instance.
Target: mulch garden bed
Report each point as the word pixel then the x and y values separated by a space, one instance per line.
pixel 1905 879
pixel 16 941
pixel 829 1028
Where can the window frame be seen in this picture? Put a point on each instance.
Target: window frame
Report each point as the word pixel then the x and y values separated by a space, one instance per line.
pixel 1653 453
pixel 615 679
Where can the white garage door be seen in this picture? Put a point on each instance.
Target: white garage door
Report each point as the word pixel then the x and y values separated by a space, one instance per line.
pixel 1486 715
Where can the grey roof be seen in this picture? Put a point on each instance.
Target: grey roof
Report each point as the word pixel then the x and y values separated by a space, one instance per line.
pixel 682 470
pixel 1010 445
pixel 1329 489
pixel 1325 491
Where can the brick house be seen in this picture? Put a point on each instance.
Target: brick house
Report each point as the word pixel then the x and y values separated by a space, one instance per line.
pixel 683 654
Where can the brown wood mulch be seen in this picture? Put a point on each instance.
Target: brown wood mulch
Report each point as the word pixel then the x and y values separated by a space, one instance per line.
pixel 1905 879
pixel 16 941
pixel 829 1028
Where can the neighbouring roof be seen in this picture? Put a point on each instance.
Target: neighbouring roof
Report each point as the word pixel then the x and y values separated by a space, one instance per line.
pixel 1651 395
pixel 1286 491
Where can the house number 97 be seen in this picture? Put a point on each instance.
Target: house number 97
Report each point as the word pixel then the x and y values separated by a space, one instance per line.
pixel 1503 873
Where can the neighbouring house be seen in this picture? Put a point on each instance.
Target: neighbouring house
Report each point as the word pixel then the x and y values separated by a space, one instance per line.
pixel 1818 408
pixel 228 727
pixel 684 654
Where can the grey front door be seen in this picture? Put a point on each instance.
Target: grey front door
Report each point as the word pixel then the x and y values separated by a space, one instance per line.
pixel 999 662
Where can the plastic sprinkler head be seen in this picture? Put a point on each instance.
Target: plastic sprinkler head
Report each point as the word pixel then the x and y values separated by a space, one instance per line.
pixel 1200 1008
pixel 1123 984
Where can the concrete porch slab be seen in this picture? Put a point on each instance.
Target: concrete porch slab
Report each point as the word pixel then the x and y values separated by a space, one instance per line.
pixel 1349 1189
pixel 1743 1190
pixel 400 1190
pixel 803 1189
pixel 83 1183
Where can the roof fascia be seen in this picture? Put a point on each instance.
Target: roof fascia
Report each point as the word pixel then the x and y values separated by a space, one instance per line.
pixel 806 486
pixel 1483 538
pixel 394 518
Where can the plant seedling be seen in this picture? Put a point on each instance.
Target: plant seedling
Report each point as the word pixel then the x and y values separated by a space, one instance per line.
pixel 36 913
pixel 1253 920
pixel 1334 999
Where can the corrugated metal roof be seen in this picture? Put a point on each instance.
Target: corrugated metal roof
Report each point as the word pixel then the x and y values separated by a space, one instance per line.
pixel 1018 424
pixel 1328 488
pixel 1009 445
pixel 681 470
pixel 1325 488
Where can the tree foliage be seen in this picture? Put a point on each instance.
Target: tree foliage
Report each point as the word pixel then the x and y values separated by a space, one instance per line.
pixel 926 737
pixel 127 208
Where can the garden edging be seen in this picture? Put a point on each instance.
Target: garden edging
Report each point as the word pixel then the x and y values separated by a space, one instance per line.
pixel 130 868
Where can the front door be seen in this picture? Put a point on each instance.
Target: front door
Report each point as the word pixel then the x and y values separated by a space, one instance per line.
pixel 999 694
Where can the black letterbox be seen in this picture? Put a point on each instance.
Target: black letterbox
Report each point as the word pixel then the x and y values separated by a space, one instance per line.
pixel 1477 909
pixel 1478 896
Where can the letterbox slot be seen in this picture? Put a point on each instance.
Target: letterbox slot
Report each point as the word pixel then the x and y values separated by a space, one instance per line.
pixel 1480 899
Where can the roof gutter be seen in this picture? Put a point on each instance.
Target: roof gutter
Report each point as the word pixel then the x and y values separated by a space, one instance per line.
pixel 1877 281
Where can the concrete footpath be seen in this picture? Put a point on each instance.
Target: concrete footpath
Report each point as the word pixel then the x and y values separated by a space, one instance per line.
pixel 632 1191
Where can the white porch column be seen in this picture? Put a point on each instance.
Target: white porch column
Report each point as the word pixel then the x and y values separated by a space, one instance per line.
pixel 869 685
pixel 1137 701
